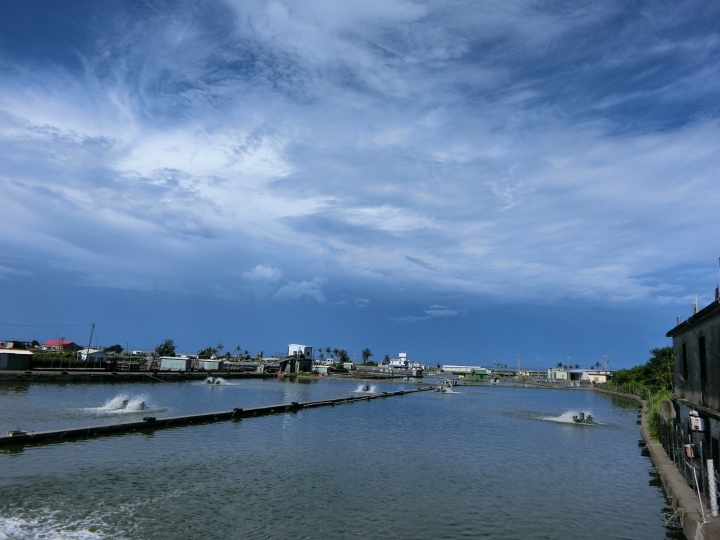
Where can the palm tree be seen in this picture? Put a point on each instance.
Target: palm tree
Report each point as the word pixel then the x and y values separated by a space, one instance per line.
pixel 560 365
pixel 366 355
pixel 220 347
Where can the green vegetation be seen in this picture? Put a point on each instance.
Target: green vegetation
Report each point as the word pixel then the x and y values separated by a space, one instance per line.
pixel 652 381
pixel 114 349
pixel 55 359
pixel 366 355
pixel 206 353
pixel 166 348
pixel 655 375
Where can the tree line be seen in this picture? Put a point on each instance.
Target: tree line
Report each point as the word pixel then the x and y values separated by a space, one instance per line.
pixel 656 374
pixel 168 348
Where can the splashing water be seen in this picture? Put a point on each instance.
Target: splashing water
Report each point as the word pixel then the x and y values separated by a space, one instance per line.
pixel 218 381
pixel 446 390
pixel 136 404
pixel 366 388
pixel 567 418
pixel 118 402
pixel 122 404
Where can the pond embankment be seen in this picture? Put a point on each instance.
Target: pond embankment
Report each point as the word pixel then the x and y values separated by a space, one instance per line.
pixel 696 520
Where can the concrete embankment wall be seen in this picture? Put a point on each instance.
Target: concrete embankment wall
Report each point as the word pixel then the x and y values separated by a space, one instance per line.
pixel 151 423
pixel 678 492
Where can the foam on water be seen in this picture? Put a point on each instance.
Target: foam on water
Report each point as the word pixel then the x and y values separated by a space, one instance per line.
pixel 218 381
pixel 567 418
pixel 366 388
pixel 46 527
pixel 122 404
pixel 113 404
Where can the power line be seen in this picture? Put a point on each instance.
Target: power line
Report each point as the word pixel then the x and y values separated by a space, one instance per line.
pixel 46 325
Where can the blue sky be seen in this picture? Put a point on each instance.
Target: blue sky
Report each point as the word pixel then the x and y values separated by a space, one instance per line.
pixel 467 181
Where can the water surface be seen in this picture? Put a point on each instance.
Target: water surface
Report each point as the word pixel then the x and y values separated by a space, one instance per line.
pixel 486 462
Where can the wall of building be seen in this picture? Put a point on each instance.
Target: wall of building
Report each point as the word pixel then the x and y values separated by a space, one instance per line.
pixel 691 387
pixel 18 362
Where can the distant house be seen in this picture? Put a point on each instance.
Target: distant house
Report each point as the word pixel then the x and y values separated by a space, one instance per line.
pixel 557 374
pixel 593 376
pixel 94 355
pixel 175 363
pixel 457 370
pixel 15 359
pixel 16 344
pixel 300 350
pixel 696 347
pixel 61 346
pixel 214 364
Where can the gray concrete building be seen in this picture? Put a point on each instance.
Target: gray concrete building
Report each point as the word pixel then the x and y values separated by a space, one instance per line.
pixel 696 347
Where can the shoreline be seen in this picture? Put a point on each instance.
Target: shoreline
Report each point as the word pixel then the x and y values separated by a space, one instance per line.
pixel 678 493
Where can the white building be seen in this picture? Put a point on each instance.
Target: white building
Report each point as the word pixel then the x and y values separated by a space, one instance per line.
pixel 300 350
pixel 92 355
pixel 457 370
pixel 175 363
pixel 401 362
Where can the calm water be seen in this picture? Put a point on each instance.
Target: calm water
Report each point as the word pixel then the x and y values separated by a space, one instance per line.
pixel 487 462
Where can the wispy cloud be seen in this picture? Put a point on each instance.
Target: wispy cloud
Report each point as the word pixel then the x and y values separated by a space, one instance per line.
pixel 431 313
pixel 512 151
pixel 361 303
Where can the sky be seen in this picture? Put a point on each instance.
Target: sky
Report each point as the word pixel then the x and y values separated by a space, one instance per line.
pixel 467 181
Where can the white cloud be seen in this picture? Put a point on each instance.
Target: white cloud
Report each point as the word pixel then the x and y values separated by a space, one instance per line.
pixel 295 290
pixel 263 273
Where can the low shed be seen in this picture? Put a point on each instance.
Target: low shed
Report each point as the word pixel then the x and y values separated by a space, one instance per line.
pixel 211 365
pixel 171 363
pixel 15 359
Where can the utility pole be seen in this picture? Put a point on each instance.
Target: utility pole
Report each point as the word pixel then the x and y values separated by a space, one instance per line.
pixel 87 355
pixel 538 368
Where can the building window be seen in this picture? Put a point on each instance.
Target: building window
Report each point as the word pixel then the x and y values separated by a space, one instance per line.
pixel 684 362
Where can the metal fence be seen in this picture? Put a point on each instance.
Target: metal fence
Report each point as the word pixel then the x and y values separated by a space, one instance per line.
pixel 688 457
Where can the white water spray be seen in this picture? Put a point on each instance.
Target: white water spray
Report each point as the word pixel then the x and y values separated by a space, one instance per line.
pixel 567 418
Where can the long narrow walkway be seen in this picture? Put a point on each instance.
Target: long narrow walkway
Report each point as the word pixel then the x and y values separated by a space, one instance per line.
pixel 152 423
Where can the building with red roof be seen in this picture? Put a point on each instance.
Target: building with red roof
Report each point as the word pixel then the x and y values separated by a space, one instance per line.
pixel 61 345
